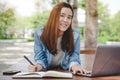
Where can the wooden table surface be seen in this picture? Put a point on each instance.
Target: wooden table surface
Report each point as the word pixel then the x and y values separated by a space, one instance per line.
pixel 86 61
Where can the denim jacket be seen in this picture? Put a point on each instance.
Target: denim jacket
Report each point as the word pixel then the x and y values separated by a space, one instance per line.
pixel 44 57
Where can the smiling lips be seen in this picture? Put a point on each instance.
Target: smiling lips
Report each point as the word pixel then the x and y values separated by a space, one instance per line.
pixel 63 25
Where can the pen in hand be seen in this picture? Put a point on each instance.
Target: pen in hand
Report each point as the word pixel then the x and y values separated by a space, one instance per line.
pixel 28 60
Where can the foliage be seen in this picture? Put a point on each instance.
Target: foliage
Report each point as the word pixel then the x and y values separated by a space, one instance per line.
pixel 81 4
pixel 102 39
pixel 39 19
pixel 81 29
pixel 30 39
pixel 108 28
pixel 115 26
pixel 9 24
pixel 6 19
pixel 114 38
pixel 21 26
pixel 104 20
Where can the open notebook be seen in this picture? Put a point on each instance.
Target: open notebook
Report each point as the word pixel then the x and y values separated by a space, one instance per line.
pixel 106 62
pixel 47 74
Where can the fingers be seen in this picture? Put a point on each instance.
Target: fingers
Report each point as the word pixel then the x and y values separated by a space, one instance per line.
pixel 38 67
pixel 34 68
pixel 74 72
pixel 31 68
pixel 82 71
pixel 76 68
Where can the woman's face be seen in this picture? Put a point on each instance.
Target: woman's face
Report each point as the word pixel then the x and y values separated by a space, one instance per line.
pixel 65 19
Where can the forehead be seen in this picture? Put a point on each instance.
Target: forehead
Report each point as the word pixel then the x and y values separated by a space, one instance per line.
pixel 66 11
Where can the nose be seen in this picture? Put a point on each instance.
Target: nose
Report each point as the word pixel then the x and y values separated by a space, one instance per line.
pixel 65 19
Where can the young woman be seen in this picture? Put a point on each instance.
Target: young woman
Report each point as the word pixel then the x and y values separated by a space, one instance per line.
pixel 57 44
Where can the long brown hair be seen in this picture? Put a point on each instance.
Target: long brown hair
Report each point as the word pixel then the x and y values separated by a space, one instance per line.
pixel 50 33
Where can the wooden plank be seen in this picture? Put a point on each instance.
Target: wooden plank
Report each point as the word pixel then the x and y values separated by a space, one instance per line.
pixel 87 51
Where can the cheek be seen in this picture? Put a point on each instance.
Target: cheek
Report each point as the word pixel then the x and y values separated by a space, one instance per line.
pixel 60 20
pixel 70 22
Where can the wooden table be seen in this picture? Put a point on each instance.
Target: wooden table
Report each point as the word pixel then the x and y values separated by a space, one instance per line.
pixel 87 50
pixel 86 61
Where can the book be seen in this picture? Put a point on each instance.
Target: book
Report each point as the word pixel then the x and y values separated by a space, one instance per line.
pixel 47 74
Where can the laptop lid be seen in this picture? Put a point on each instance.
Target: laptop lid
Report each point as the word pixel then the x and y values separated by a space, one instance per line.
pixel 107 60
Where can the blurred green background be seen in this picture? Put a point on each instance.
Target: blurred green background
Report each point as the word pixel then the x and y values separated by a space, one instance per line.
pixel 13 26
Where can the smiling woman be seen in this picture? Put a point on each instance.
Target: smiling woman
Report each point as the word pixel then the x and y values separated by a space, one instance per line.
pixel 57 45
pixel 65 20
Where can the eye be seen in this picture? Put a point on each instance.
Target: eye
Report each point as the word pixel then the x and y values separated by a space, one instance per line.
pixel 69 17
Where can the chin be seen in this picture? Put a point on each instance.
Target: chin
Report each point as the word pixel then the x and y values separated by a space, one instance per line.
pixel 63 30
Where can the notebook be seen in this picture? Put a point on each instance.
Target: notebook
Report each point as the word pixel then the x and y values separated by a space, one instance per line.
pixel 42 74
pixel 106 62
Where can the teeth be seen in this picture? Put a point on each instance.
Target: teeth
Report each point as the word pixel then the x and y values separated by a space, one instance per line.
pixel 65 25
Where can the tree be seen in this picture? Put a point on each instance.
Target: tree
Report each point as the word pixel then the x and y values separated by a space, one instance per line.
pixel 104 20
pixel 75 7
pixel 115 27
pixel 91 27
pixel 75 21
pixel 82 4
pixel 39 19
pixel 6 19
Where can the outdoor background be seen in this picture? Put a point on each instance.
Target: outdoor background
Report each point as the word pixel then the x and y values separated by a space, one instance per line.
pixel 20 18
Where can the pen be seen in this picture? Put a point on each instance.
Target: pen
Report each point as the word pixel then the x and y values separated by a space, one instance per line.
pixel 28 60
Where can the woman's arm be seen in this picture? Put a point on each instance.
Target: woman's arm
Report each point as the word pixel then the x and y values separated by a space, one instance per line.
pixel 39 50
pixel 75 57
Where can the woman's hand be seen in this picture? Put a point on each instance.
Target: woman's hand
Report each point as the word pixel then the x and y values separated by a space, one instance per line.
pixel 76 68
pixel 35 68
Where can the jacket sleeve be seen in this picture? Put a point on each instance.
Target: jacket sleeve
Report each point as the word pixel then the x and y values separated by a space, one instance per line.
pixel 39 51
pixel 75 57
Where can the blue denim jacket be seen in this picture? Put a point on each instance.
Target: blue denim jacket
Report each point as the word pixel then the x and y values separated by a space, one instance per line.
pixel 42 55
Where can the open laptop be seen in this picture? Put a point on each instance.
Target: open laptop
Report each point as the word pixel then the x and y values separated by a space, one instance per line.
pixel 106 62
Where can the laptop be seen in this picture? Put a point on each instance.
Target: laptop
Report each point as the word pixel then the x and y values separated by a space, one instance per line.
pixel 106 62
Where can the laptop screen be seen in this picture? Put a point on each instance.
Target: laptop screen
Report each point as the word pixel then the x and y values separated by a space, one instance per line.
pixel 107 60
